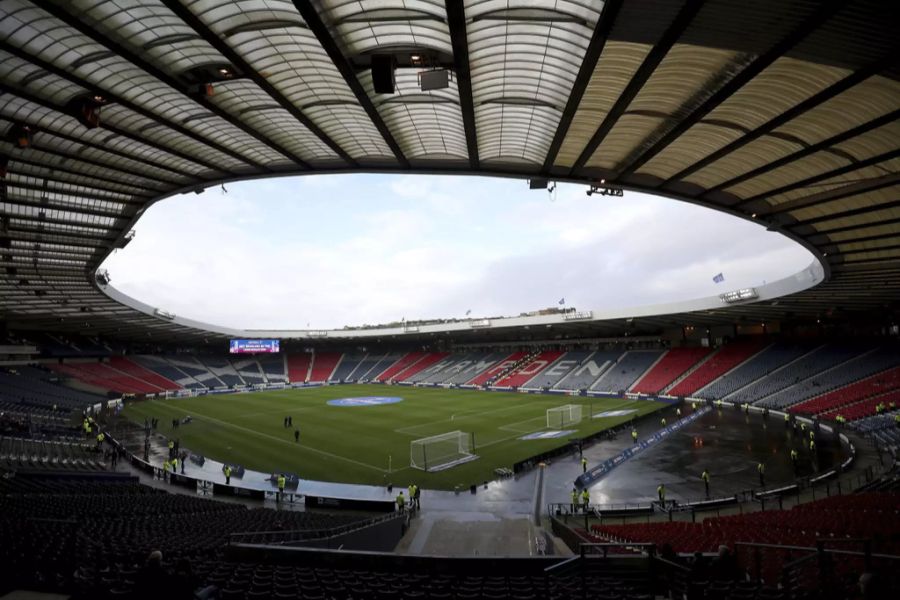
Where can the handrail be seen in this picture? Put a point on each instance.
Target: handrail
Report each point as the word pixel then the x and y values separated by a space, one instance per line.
pixel 565 563
pixel 814 549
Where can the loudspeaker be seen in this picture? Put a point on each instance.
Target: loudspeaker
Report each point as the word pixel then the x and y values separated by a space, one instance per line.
pixel 383 73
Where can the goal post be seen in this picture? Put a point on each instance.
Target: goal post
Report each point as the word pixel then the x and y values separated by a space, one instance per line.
pixel 440 452
pixel 563 416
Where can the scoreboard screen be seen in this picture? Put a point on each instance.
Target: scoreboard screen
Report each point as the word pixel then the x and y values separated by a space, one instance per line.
pixel 254 347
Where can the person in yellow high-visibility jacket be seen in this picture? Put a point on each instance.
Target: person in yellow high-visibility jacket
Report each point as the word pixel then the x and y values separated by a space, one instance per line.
pixel 282 481
pixel 585 499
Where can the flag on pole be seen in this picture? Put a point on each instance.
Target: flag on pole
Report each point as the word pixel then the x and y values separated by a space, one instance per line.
pixel 719 278
pixel 562 300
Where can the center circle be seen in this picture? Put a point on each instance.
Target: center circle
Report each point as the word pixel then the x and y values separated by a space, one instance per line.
pixel 365 401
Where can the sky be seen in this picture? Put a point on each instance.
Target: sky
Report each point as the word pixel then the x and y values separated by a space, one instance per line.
pixel 326 251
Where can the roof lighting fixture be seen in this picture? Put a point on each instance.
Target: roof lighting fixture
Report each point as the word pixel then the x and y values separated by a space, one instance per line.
pixel 742 295
pixel 753 216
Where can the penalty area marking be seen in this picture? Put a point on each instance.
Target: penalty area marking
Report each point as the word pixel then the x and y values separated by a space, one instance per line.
pixel 272 437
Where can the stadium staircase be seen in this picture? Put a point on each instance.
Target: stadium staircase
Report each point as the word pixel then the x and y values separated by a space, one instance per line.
pixel 323 365
pixel 673 363
pixel 298 366
pixel 500 369
pixel 529 369
pixel 716 365
pixel 407 360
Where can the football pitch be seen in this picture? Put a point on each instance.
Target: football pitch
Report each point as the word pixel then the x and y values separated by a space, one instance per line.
pixel 370 443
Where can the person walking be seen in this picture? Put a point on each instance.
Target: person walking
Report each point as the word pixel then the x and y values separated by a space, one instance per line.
pixel 585 499
pixel 583 465
pixel 401 502
pixel 705 477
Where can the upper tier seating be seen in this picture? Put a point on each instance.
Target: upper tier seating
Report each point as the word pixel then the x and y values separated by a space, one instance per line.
pixel 298 367
pixel 590 370
pixel 435 372
pixel 375 365
pixel 725 359
pixel 472 365
pixel 620 376
pixel 193 367
pixel 248 369
pixel 758 366
pixel 349 363
pixel 222 368
pixel 555 372
pixel 426 361
pixel 854 369
pixel 673 364
pixel 273 367
pixel 521 375
pixel 817 361
pixel 159 364
pixel 136 370
pixel 885 381
pixel 103 376
pixel 499 367
pixel 401 364
pixel 323 365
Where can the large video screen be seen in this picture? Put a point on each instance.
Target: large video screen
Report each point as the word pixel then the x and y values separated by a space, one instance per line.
pixel 254 346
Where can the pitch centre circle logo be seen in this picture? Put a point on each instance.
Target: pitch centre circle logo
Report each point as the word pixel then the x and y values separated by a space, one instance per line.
pixel 365 401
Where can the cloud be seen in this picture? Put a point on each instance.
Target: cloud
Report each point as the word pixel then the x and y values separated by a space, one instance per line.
pixel 371 249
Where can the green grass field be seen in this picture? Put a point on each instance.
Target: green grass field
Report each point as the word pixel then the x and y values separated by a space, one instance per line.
pixel 353 444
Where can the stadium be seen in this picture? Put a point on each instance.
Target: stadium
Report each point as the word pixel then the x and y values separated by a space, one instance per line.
pixel 737 445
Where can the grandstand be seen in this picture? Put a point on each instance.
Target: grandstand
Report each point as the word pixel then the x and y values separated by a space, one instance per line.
pixel 783 114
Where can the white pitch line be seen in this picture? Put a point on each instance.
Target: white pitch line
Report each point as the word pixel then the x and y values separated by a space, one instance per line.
pixel 406 430
pixel 272 437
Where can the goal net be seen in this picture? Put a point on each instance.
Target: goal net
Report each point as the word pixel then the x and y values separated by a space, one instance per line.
pixel 562 416
pixel 440 452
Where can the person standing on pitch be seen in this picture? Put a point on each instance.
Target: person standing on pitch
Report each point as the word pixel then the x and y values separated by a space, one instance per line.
pixel 583 465
pixel 705 477
pixel 297 435
pixel 761 469
pixel 661 494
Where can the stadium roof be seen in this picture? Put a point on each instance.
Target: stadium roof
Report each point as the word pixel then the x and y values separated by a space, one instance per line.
pixel 780 111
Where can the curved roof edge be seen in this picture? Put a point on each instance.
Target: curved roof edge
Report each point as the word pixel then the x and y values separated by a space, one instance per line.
pixel 809 277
